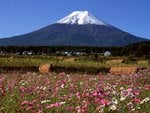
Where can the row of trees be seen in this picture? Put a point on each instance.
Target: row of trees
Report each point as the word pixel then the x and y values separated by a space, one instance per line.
pixel 136 50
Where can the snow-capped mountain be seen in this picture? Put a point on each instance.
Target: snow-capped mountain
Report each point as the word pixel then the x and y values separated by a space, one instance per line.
pixel 80 28
pixel 81 18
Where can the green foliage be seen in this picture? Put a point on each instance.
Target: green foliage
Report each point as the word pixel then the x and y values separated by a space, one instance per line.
pixel 139 49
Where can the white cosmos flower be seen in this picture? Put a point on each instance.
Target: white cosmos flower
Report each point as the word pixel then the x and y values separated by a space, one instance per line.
pixel 23 83
pixel 121 88
pixel 133 109
pixel 43 88
pixel 81 83
pixel 62 103
pixel 113 107
pixel 68 75
pixel 62 85
pixel 114 101
pixel 145 100
pixel 45 101
pixel 122 98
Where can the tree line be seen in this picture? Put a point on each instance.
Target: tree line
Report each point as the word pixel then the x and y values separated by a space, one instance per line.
pixel 138 50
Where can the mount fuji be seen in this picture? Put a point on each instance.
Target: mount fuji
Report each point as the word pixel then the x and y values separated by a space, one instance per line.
pixel 81 18
pixel 80 28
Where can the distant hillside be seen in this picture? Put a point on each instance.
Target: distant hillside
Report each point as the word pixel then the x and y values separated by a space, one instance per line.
pixel 139 49
pixel 145 43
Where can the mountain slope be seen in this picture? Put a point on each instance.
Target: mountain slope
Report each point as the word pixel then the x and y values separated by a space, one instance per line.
pixel 77 29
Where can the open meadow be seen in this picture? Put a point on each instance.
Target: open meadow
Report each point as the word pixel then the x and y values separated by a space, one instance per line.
pixel 88 87
pixel 88 63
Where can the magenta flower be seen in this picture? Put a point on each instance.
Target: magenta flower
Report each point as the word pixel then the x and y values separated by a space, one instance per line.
pixel 40 111
pixel 136 100
pixel 104 102
pixel 147 87
pixel 136 93
pixel 57 104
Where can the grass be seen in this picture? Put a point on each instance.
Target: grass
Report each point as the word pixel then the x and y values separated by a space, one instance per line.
pixel 24 61
pixel 82 64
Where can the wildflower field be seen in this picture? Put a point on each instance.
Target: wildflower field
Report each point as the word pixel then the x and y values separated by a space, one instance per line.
pixel 31 92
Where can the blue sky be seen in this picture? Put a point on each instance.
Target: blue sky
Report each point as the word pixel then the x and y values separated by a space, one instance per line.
pixel 22 16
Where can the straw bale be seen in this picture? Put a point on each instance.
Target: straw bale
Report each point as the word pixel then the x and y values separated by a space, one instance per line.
pixel 45 68
pixel 124 70
pixel 115 61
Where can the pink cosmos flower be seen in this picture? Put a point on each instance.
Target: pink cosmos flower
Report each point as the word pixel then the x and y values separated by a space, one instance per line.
pixel 129 89
pixel 147 87
pixel 57 104
pixel 78 95
pixel 136 93
pixel 136 100
pixel 3 90
pixel 40 111
pixel 24 102
pixel 104 102
pixel 62 74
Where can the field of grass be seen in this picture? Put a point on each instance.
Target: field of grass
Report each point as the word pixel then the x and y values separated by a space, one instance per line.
pixel 31 92
pixel 82 62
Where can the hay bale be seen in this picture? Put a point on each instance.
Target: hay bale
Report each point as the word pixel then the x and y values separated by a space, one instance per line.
pixel 115 61
pixel 45 68
pixel 123 70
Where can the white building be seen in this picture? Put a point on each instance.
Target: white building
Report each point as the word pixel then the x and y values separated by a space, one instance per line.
pixel 107 53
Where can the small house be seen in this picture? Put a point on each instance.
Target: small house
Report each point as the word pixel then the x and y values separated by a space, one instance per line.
pixel 107 53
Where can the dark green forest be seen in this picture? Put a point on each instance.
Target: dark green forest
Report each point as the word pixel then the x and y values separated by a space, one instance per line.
pixel 139 49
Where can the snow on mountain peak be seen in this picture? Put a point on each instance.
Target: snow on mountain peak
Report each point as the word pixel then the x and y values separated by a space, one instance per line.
pixel 80 18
